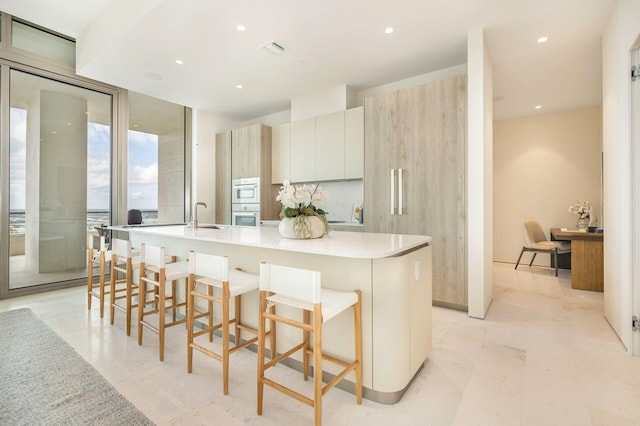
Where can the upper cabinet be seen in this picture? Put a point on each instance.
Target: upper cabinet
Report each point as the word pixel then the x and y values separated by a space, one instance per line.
pixel 223 178
pixel 246 145
pixel 302 149
pixel 329 147
pixel 280 142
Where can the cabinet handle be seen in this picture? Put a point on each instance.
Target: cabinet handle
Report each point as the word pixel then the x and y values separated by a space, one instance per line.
pixel 393 191
pixel 400 192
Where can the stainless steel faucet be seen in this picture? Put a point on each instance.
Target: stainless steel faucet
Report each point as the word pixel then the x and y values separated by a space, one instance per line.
pixel 195 212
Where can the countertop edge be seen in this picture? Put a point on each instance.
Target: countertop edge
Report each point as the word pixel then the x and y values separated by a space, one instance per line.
pixel 272 240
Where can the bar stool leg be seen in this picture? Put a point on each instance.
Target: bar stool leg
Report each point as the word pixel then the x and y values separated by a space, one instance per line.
pixel 161 314
pixel 317 364
pixel 112 310
pixel 225 337
pixel 272 330
pixel 142 302
pixel 261 331
pixel 210 304
pixel 357 313
pixel 89 278
pixel 237 316
pixel 101 284
pixel 190 308
pixel 306 318
pixel 129 296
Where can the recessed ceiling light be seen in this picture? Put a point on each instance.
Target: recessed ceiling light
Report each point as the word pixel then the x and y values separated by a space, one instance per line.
pixel 238 86
pixel 388 30
pixel 179 61
pixel 68 124
pixel 543 39
pixel 241 27
pixel 135 125
pixel 538 107
pixel 54 132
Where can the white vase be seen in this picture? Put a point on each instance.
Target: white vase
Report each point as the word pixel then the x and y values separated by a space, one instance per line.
pixel 302 227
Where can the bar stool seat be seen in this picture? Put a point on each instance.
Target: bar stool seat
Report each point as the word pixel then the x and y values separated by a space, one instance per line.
pixel 99 255
pixel 206 273
pixel 153 263
pixel 300 288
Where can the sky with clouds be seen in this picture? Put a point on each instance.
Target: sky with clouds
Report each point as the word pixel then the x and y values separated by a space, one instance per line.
pixel 143 166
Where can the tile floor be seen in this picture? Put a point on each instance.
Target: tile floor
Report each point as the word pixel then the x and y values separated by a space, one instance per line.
pixel 544 355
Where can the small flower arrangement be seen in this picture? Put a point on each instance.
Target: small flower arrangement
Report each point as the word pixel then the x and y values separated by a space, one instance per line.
pixel 583 210
pixel 299 202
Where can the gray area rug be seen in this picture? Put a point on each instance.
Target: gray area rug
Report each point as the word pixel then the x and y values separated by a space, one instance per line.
pixel 43 381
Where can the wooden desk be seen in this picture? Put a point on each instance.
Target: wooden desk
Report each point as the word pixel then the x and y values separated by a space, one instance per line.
pixel 587 258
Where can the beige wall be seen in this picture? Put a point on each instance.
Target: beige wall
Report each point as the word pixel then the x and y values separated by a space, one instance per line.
pixel 542 164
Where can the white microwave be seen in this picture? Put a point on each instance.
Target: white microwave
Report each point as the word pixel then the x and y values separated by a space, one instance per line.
pixel 246 190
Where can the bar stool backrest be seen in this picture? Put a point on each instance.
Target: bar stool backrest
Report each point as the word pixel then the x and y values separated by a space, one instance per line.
pixel 152 255
pixel 208 265
pixel 97 242
pixel 295 283
pixel 121 248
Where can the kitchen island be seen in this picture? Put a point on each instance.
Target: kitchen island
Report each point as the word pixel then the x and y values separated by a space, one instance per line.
pixel 392 271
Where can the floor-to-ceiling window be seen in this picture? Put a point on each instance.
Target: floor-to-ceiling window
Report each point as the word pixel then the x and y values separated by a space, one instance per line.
pixel 59 185
pixel 68 166
pixel 156 159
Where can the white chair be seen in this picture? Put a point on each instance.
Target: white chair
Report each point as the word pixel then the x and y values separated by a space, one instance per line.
pixel 156 272
pixel 124 260
pixel 300 288
pixel 206 273
pixel 97 255
pixel 537 242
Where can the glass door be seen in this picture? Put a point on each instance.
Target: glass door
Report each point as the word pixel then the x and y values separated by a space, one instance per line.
pixel 59 177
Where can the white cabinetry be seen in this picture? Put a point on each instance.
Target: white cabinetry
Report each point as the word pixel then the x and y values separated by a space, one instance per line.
pixel 280 147
pixel 329 147
pixel 354 143
pixel 302 150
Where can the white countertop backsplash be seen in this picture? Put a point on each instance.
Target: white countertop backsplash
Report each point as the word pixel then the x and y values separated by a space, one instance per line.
pixel 342 196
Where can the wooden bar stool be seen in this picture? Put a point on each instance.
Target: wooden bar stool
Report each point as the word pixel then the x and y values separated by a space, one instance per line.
pixel 300 288
pixel 98 255
pixel 206 273
pixel 124 260
pixel 156 272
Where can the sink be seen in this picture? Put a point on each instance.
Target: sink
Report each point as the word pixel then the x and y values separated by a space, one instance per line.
pixel 212 227
pixel 149 225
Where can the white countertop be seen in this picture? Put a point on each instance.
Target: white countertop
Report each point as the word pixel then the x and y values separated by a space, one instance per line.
pixel 361 245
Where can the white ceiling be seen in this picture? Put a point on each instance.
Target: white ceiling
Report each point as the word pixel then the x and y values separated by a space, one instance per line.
pixel 329 43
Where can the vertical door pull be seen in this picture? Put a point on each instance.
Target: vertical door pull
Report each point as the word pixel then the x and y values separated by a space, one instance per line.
pixel 400 192
pixel 393 191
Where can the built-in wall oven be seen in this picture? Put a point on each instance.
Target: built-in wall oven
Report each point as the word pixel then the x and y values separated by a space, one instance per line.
pixel 246 190
pixel 245 202
pixel 245 214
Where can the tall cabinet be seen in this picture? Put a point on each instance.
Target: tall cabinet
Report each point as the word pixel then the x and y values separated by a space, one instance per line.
pixel 223 178
pixel 415 168
pixel 244 153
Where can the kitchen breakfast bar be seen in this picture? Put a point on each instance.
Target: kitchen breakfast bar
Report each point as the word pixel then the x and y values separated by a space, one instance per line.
pixel 392 271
